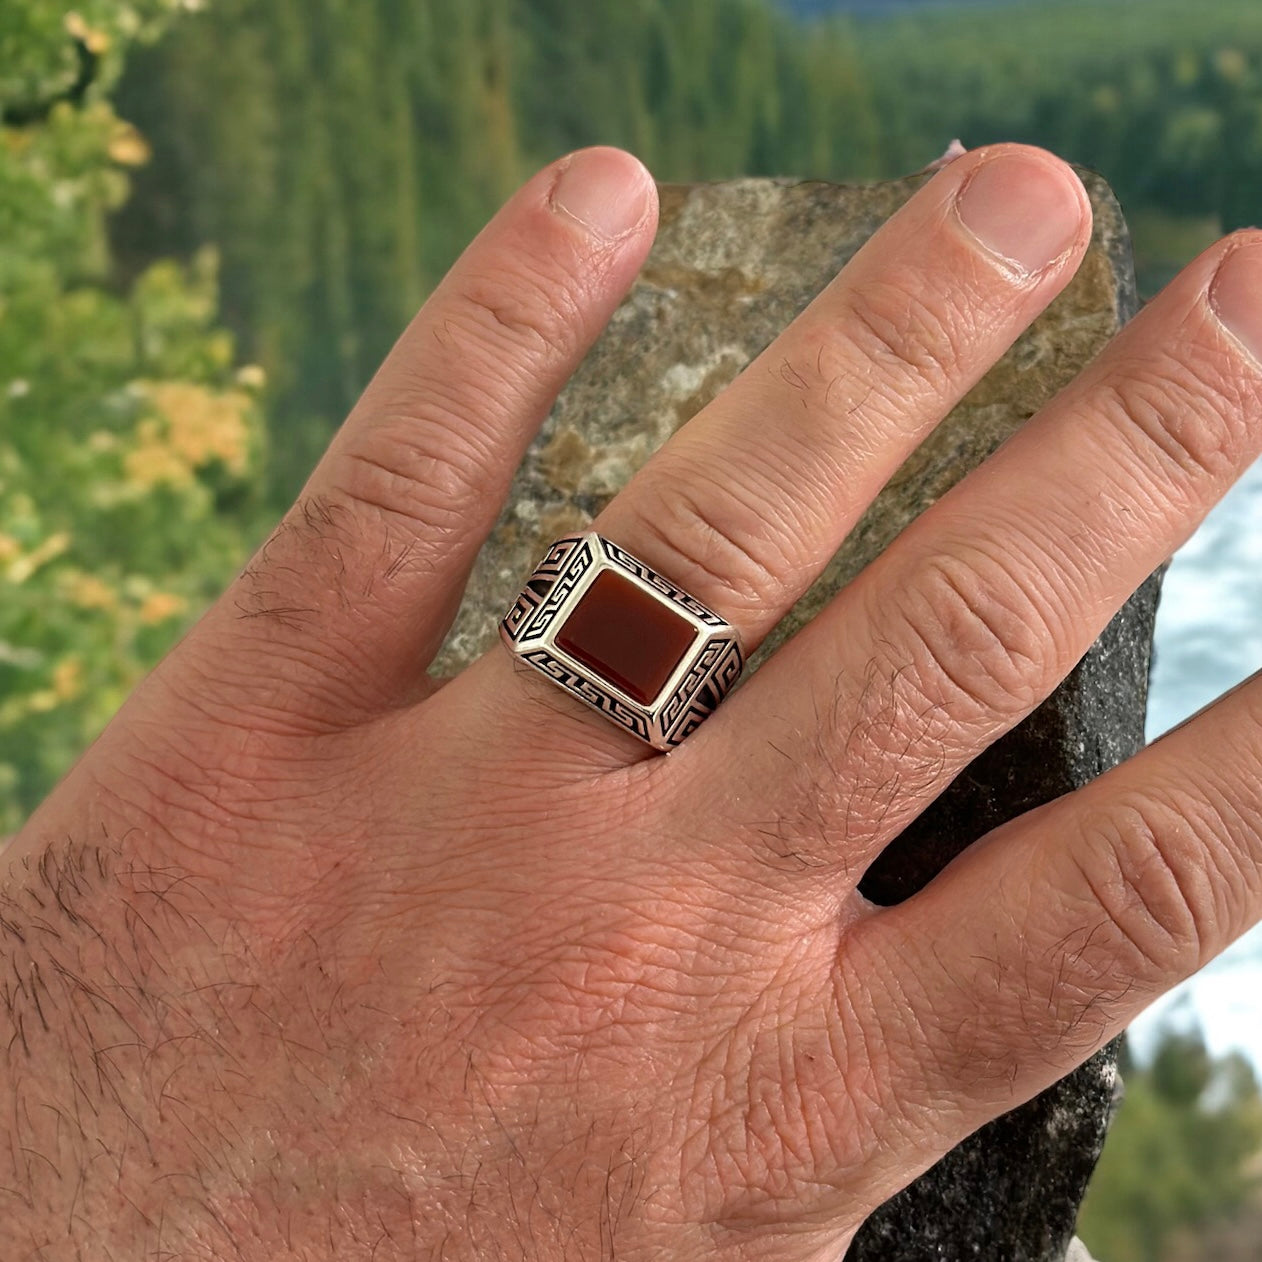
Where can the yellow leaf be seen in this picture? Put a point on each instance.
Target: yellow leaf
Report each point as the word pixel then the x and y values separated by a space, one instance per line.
pixel 154 464
pixel 128 147
pixel 86 591
pixel 95 41
pixel 160 606
pixel 1232 64
pixel 22 567
pixel 68 678
pixel 204 425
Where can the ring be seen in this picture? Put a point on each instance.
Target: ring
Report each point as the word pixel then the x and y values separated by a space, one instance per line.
pixel 614 633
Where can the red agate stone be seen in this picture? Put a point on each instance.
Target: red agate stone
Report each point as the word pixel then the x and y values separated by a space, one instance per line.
pixel 626 636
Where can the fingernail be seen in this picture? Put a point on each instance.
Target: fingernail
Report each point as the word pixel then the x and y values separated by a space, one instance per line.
pixel 1236 296
pixel 1023 209
pixel 605 190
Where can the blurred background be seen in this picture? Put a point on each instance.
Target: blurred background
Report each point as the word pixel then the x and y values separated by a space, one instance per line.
pixel 216 215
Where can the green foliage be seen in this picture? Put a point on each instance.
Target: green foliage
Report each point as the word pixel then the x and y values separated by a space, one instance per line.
pixel 340 152
pixel 129 444
pixel 1161 96
pixel 1178 1155
pixel 42 47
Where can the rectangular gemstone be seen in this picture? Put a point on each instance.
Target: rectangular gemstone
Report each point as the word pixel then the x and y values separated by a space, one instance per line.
pixel 626 636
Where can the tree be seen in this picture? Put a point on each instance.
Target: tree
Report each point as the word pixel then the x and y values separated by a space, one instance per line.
pixel 129 440
pixel 341 152
pixel 1180 1153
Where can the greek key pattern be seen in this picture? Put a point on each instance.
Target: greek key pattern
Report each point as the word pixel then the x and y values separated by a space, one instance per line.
pixel 714 672
pixel 544 596
pixel 677 596
pixel 589 692
pixel 532 625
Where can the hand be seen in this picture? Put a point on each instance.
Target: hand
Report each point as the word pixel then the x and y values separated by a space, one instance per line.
pixel 313 958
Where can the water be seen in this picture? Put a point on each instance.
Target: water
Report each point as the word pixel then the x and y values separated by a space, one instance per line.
pixel 1209 628
pixel 1209 638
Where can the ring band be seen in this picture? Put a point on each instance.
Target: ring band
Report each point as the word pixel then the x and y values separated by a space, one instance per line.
pixel 614 633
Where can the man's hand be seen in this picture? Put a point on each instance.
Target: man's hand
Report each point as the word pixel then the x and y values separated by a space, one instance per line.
pixel 312 958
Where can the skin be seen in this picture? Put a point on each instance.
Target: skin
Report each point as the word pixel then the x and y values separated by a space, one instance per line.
pixel 312 957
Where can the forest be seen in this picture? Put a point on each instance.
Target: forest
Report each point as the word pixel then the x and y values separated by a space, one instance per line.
pixel 389 130
pixel 216 216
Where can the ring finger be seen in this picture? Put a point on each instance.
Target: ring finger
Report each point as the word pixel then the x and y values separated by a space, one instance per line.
pixel 744 507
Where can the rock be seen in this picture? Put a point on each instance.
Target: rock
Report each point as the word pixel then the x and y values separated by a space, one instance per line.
pixel 732 265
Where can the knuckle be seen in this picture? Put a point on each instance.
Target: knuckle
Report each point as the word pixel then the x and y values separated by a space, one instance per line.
pixel 906 334
pixel 707 539
pixel 519 308
pixel 1143 870
pixel 425 445
pixel 269 853
pixel 1185 415
pixel 423 468
pixel 978 641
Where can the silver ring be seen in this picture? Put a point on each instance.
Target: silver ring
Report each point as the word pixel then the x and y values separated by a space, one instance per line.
pixel 623 639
